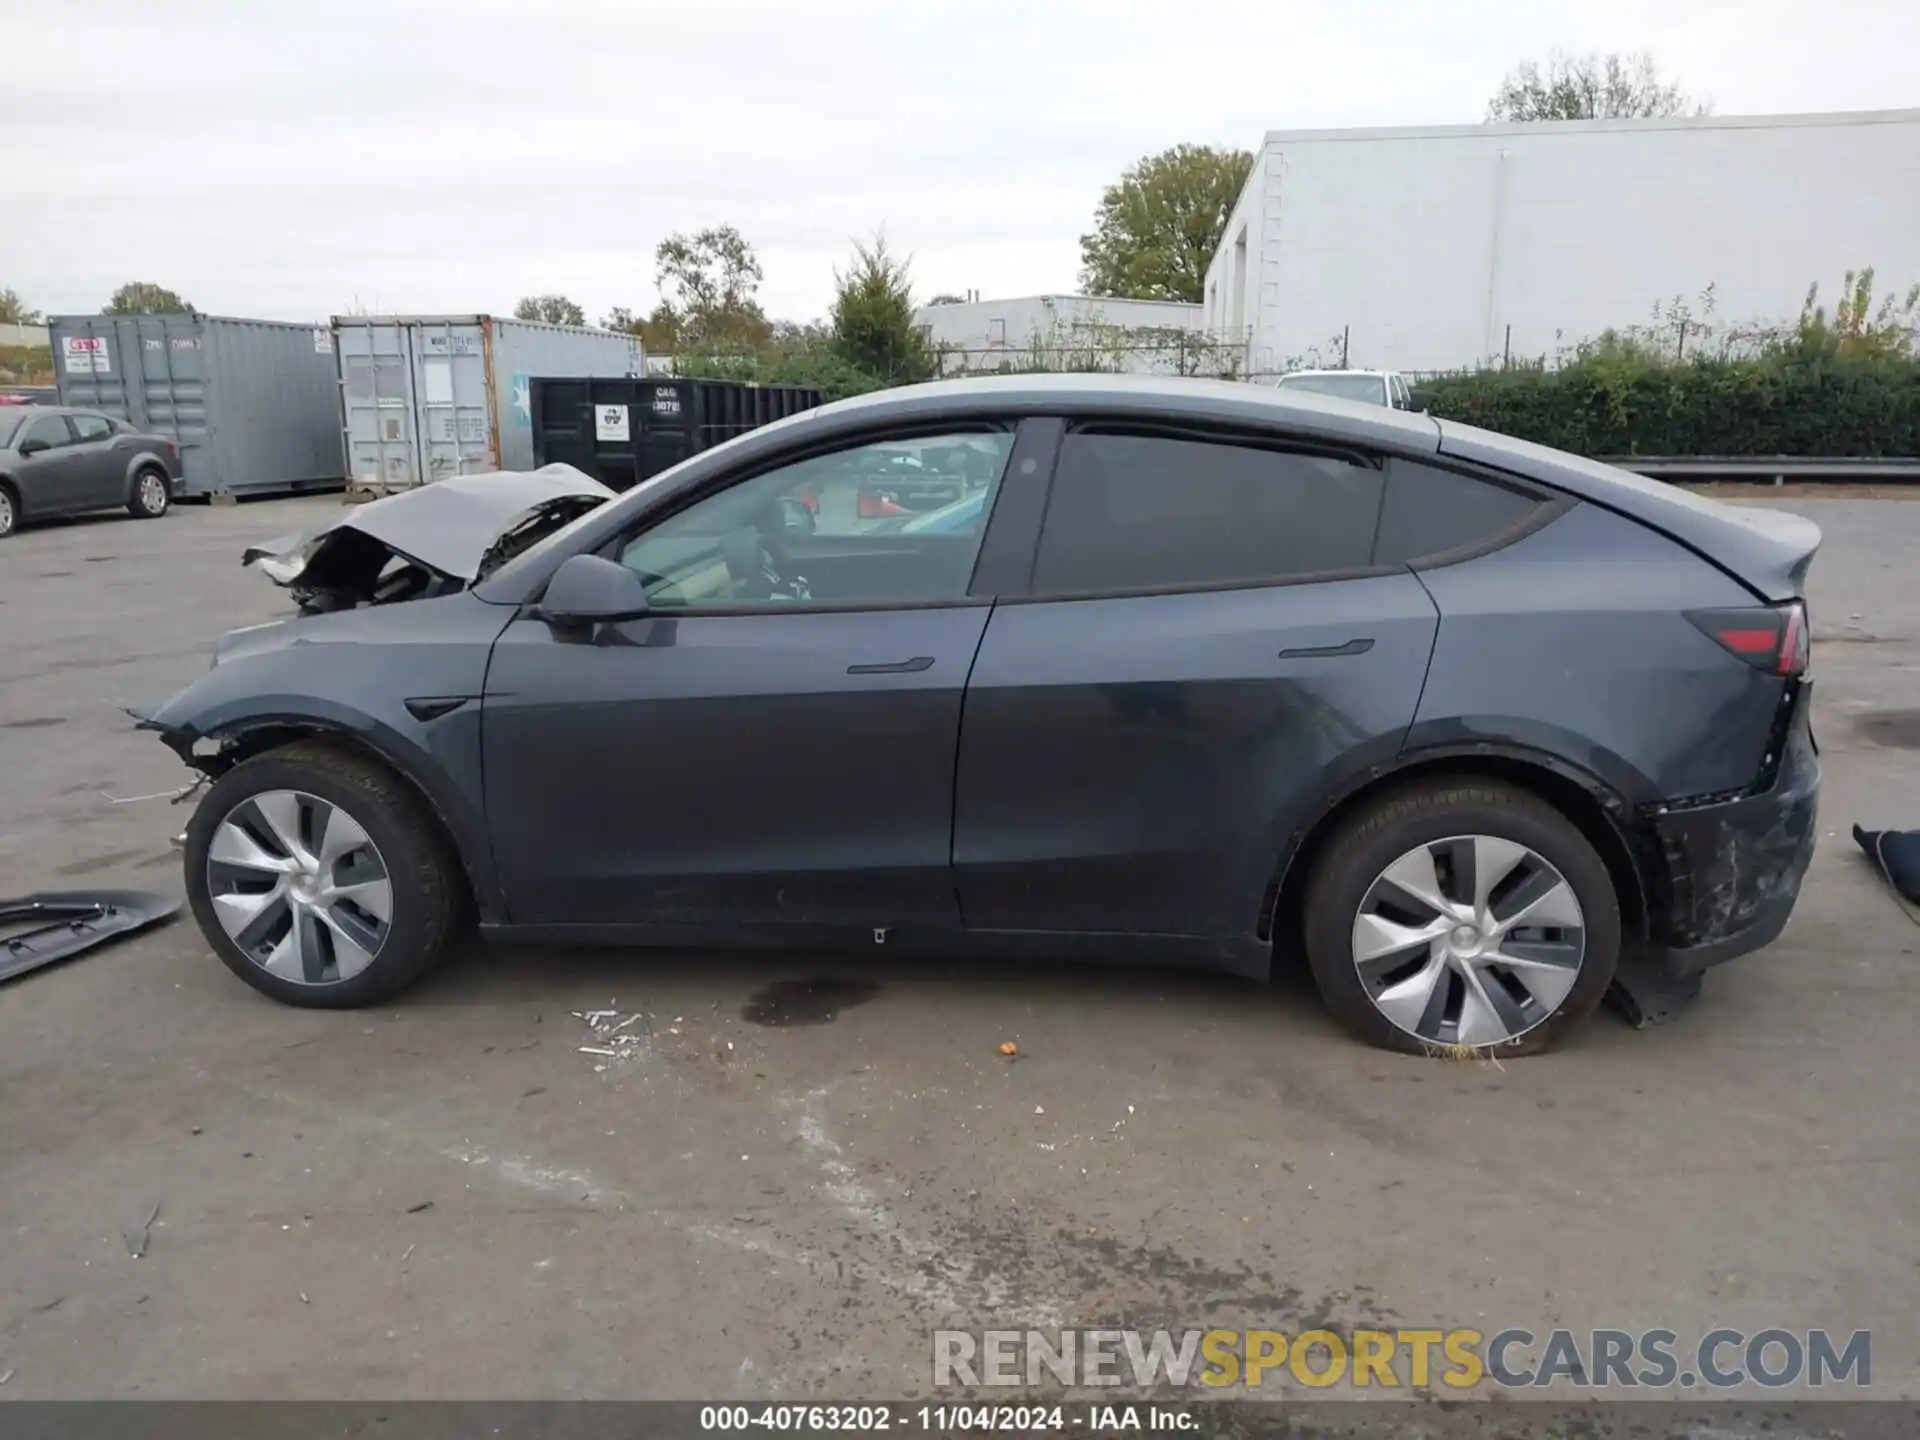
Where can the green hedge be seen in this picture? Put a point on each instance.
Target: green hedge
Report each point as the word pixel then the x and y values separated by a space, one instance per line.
pixel 1632 406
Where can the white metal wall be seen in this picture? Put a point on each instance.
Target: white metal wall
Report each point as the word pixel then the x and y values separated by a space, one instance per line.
pixel 990 334
pixel 1423 247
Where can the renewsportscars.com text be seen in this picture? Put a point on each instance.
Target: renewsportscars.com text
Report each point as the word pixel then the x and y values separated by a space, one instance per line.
pixel 1458 1359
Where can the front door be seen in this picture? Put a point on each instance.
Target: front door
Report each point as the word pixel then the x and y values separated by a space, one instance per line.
pixel 1207 641
pixel 774 743
pixel 49 477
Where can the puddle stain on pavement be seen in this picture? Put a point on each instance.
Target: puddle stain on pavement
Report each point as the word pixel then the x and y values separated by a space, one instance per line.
pixel 815 1001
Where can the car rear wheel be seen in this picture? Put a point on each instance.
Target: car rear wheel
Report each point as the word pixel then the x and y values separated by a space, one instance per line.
pixel 9 510
pixel 320 878
pixel 1461 916
pixel 151 495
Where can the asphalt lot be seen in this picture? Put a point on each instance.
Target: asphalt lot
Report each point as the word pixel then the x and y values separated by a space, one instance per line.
pixel 451 1198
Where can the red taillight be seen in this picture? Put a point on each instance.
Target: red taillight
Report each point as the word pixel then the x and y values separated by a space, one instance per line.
pixel 1771 638
pixel 873 505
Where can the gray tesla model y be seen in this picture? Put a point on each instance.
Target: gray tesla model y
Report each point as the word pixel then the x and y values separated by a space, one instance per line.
pixel 1209 674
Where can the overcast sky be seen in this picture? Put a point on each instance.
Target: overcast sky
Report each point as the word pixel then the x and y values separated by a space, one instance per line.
pixel 284 159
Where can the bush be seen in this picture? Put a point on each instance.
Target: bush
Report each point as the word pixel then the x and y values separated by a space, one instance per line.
pixel 835 377
pixel 1617 400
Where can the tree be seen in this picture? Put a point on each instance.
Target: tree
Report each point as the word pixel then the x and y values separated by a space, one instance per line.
pixel 659 332
pixel 553 309
pixel 1589 87
pixel 1857 329
pixel 947 298
pixel 143 297
pixel 1156 230
pixel 707 282
pixel 873 327
pixel 15 311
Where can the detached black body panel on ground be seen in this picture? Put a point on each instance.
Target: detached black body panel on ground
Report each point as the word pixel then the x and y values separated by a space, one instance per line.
pixel 44 929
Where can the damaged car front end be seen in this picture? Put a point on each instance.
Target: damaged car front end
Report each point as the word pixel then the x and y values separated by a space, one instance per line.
pixel 435 539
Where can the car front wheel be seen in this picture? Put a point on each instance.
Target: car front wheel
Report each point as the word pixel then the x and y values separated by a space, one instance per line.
pixel 320 878
pixel 1462 916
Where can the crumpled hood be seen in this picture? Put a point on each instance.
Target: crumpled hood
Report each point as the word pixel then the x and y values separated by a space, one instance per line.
pixel 445 525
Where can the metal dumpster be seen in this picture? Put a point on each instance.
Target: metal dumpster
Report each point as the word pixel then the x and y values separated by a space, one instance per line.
pixel 624 431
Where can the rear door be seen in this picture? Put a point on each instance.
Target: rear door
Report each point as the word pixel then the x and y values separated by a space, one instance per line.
pixel 1205 648
pixel 100 460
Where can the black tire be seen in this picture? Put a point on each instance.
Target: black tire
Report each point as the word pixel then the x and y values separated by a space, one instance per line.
pixel 1371 840
pixel 9 509
pixel 420 862
pixel 144 501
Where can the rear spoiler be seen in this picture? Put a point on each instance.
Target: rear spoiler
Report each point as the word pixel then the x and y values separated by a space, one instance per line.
pixel 1769 551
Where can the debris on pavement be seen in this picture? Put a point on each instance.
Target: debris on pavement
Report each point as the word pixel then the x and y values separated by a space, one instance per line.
pixel 1896 855
pixel 62 924
pixel 405 1254
pixel 424 1205
pixel 6 1376
pixel 1009 1049
pixel 621 1036
pixel 137 1236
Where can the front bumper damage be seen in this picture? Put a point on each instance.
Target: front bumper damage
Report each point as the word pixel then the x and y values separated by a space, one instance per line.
pixel 1722 878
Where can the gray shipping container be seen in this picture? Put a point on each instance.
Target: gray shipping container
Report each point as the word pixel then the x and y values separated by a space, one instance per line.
pixel 252 404
pixel 427 396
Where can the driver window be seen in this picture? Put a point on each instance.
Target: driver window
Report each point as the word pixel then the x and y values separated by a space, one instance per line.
pixel 891 522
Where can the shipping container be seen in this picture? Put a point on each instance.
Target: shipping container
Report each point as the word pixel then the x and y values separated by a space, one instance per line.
pixel 427 396
pixel 252 404
pixel 1431 249
pixel 624 431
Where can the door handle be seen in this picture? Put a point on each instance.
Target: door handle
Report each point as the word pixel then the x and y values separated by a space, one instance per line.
pixel 895 667
pixel 1328 652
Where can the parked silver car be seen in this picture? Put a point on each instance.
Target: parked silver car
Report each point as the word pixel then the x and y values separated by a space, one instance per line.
pixel 56 460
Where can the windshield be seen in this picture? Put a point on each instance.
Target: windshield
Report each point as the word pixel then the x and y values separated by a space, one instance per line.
pixel 1370 389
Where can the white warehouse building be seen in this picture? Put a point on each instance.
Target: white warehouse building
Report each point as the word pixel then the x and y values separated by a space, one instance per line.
pixel 1136 336
pixel 1430 249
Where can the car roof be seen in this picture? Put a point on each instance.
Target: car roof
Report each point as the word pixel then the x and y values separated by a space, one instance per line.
pixel 1131 397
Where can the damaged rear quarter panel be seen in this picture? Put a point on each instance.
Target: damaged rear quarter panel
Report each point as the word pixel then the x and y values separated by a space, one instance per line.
pixel 350 674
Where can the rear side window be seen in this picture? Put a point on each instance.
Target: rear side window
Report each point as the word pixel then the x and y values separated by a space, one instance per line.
pixel 1430 511
pixel 1137 512
pixel 91 427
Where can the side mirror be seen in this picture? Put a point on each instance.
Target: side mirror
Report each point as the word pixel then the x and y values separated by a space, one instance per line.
pixel 1417 401
pixel 33 447
pixel 588 588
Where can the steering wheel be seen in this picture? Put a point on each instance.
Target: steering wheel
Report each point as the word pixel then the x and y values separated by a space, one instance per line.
pixel 751 571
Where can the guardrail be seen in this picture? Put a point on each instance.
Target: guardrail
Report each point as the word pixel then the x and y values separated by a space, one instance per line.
pixel 1776 468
